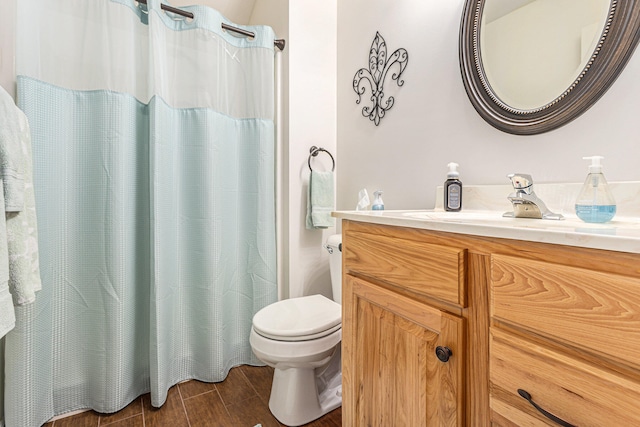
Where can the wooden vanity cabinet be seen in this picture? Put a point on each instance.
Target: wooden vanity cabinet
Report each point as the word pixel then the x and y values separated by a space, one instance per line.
pixel 558 324
pixel 403 353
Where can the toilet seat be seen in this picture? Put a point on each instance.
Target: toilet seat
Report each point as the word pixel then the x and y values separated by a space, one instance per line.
pixel 299 319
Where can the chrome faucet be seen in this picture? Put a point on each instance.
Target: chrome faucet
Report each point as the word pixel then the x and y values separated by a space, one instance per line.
pixel 524 200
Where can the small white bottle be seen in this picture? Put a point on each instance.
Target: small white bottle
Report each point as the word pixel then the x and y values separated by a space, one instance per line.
pixel 595 202
pixel 378 204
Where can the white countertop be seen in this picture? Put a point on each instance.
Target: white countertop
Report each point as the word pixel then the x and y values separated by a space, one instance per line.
pixel 622 234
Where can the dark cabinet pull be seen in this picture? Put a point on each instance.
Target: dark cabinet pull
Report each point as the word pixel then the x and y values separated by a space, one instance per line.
pixel 443 353
pixel 552 417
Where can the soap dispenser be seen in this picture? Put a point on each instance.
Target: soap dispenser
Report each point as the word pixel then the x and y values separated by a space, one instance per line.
pixel 453 189
pixel 595 202
pixel 378 204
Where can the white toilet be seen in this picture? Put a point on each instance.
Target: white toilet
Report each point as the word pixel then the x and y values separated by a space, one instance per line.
pixel 300 338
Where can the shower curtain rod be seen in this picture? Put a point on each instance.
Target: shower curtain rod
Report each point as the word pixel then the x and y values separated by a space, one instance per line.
pixel 279 43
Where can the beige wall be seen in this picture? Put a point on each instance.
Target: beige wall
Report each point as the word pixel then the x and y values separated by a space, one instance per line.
pixel 433 122
pixel 518 47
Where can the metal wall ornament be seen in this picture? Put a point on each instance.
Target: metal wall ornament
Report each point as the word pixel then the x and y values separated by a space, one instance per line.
pixel 375 76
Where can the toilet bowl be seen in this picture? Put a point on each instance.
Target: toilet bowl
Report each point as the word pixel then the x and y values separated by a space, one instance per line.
pixel 300 338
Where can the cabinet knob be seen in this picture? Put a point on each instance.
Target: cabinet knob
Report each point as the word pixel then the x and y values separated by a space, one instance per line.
pixel 443 353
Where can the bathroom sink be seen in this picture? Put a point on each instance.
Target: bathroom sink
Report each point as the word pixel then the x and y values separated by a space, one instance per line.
pixel 442 215
pixel 464 216
pixel 495 219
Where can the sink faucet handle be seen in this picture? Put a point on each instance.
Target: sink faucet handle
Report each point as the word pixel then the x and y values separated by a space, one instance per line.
pixel 520 181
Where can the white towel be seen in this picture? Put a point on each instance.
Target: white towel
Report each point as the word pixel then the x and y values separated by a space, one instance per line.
pixel 7 313
pixel 21 226
pixel 12 157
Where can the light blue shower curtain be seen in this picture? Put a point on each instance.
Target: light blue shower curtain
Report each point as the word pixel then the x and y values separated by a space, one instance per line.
pixel 153 142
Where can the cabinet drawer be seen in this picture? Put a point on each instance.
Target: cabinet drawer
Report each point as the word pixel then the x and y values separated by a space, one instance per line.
pixel 425 269
pixel 577 392
pixel 594 311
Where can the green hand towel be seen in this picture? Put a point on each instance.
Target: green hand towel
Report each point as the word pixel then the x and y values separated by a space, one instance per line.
pixel 320 200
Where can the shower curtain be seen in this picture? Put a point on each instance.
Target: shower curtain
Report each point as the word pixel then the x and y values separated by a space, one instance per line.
pixel 153 145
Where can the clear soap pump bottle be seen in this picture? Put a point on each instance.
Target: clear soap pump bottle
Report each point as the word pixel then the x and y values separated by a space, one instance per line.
pixel 595 202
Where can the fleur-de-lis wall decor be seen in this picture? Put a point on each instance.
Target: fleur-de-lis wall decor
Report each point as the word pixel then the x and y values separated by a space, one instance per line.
pixel 374 77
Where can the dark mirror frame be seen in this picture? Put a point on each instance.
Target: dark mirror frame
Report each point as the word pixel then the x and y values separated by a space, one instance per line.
pixel 617 44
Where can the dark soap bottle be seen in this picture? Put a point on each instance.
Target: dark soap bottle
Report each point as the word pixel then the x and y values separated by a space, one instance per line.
pixel 453 190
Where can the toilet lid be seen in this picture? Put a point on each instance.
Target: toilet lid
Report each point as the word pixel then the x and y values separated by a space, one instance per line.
pixel 297 319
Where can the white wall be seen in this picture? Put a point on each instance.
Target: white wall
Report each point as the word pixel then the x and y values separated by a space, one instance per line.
pixel 309 98
pixel 433 122
pixel 7 45
pixel 312 121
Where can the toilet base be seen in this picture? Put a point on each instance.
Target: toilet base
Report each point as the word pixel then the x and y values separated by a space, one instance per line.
pixel 291 401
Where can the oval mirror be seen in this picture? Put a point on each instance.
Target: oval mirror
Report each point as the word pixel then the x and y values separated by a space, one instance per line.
pixel 530 66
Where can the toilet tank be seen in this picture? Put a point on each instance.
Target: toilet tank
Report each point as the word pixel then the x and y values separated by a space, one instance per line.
pixel 334 246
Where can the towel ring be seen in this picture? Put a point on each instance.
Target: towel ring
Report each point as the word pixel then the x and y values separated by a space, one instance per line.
pixel 314 152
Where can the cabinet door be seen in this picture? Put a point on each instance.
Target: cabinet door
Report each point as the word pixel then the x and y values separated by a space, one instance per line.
pixel 391 374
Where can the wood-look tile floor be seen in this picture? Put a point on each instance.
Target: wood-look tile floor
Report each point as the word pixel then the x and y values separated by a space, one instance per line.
pixel 242 399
